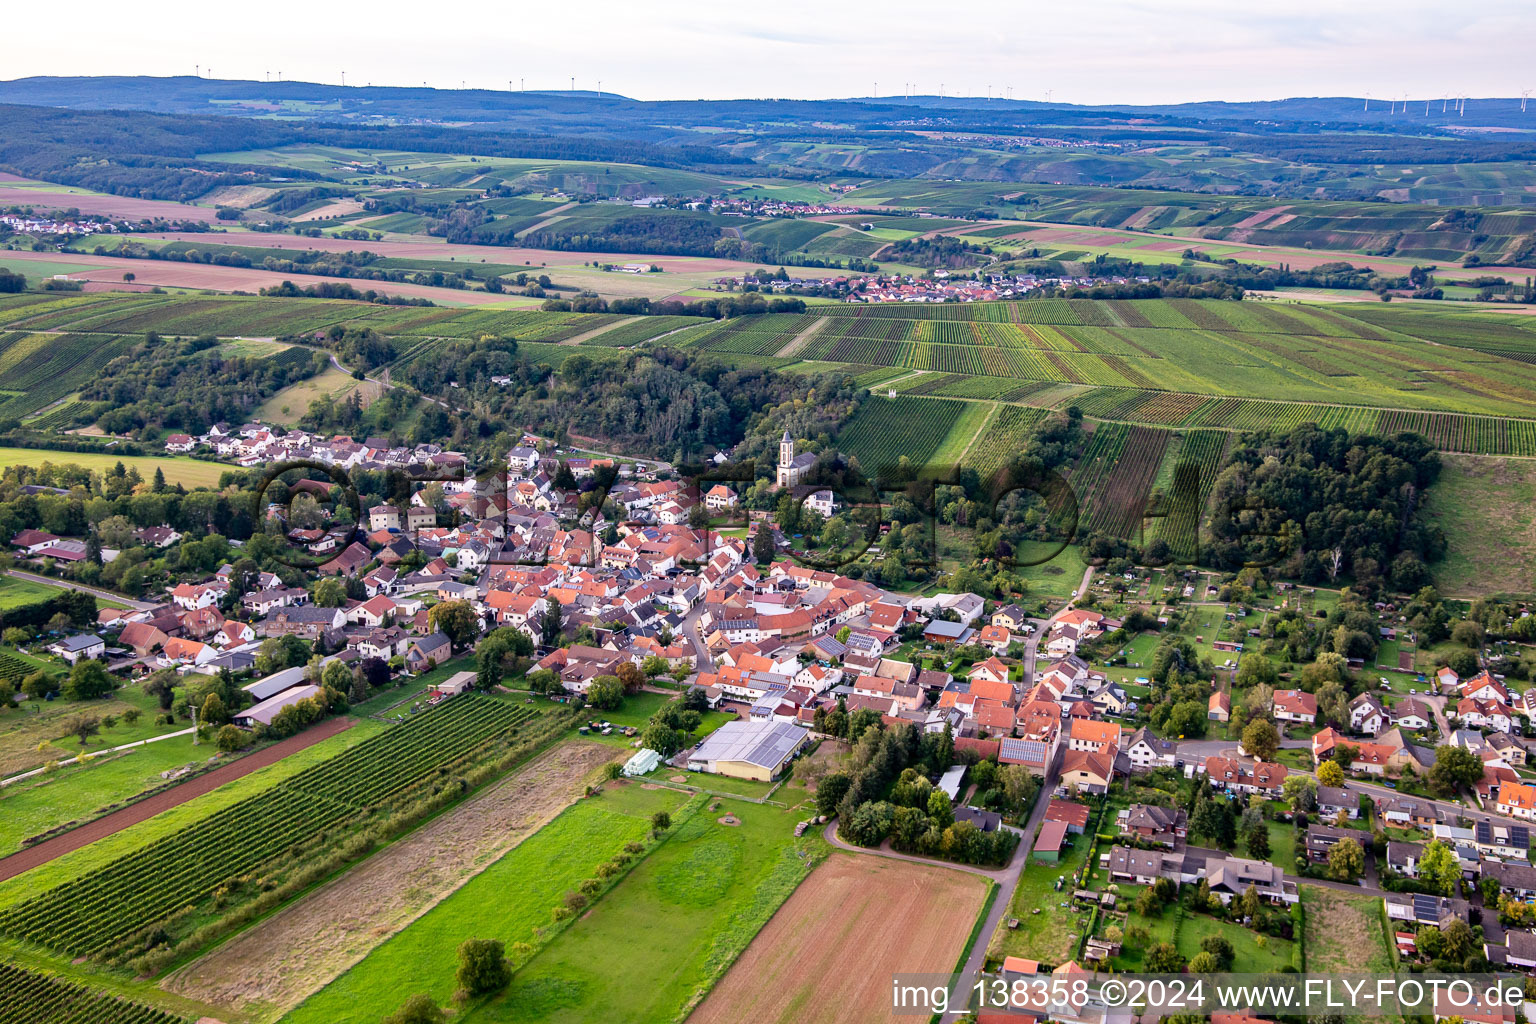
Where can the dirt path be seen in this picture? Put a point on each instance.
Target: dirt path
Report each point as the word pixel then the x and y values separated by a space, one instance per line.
pixel 292 954
pixel 802 339
pixel 104 826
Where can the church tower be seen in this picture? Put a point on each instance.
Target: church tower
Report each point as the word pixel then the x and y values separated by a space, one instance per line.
pixel 786 459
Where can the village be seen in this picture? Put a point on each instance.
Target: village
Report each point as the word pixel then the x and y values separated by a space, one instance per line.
pixel 1270 811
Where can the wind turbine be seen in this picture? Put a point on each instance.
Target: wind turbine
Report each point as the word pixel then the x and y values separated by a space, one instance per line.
pixel 1367 103
pixel 1523 97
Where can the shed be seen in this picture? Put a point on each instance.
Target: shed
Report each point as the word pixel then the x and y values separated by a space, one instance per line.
pixel 950 783
pixel 1048 843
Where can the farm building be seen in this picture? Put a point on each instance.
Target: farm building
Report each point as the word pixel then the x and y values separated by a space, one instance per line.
pixel 1048 843
pixel 643 762
pixel 456 684
pixel 748 750
pixel 267 710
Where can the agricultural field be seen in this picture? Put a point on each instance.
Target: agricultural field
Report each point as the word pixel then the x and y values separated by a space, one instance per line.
pixel 98 914
pixel 829 952
pixel 290 404
pixel 1113 479
pixel 16 591
pixel 288 956
pixel 510 900
pixel 178 469
pixel 640 330
pixel 887 429
pixel 32 998
pixel 1196 461
pixel 40 369
pixel 715 880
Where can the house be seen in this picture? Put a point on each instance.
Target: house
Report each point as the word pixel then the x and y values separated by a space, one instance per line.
pixel 428 652
pixel 994 638
pixel 719 498
pixel 1333 799
pixel 1518 950
pixel 32 541
pixel 82 645
pixel 1089 771
pixel 939 631
pixel 1407 811
pixel 1036 751
pixel 142 638
pixel 1074 815
pixel 1367 715
pixel 1508 748
pixel 1484 687
pixel 1219 708
pixel 1012 618
pixel 1518 800
pixel 1147 751
pixel 748 749
pixel 1447 679
pixel 1423 909
pixel 1295 706
pixel 1239 777
pixel 1321 839
pixel 1501 839
pixel 1404 857
pixel 1109 699
pixel 180 444
pixel 1413 714
pixel 303 620
pixel 1087 734
pixel 1517 878
pixel 1230 877
pixel 383 517
pixel 1165 826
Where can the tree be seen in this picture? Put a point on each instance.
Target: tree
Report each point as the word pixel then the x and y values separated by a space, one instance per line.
pixel 660 822
pixel 418 1009
pixel 1203 963
pixel 605 693
pixel 830 792
pixel 1261 739
pixel 1438 867
pixel 87 681
pixel 1019 786
pixel 1220 948
pixel 84 727
pixel 630 677
pixel 1301 791
pixel 1329 774
pixel 763 548
pixel 482 966
pixel 1147 903
pixel 1257 841
pixel 1248 904
pixel 1164 958
pixel 457 619
pixel 1346 861
pixel 663 739
pixel 232 738
pixel 1256 670
pixel 330 592
pixel 1454 767
pixel 213 711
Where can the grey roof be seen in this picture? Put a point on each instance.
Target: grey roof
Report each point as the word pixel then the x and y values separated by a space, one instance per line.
pixel 80 642
pixel 1332 796
pixel 1502 833
pixel 766 744
pixel 275 683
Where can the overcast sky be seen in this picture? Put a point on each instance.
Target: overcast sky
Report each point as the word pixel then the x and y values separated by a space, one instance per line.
pixel 1150 51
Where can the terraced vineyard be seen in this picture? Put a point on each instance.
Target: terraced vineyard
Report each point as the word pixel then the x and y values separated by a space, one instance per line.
pixel 886 429
pixel 1003 438
pixel 1194 474
pixel 107 914
pixel 29 998
pixel 642 329
pixel 1113 479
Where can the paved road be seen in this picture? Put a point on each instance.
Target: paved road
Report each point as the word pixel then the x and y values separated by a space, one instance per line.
pixel 105 595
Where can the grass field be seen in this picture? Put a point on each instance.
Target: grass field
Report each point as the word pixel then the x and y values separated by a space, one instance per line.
pixel 189 472
pixel 509 900
pixel 654 945
pixel 1049 925
pixel 15 592
pixel 1345 932
pixel 1487 508
pixel 290 404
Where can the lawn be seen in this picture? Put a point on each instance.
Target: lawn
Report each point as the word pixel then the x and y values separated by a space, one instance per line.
pixel 1049 926
pixel 1255 953
pixel 36 732
pixel 657 942
pixel 106 850
pixel 15 592
pixel 1345 932
pixel 178 470
pixel 291 403
pixel 1485 508
pixel 509 900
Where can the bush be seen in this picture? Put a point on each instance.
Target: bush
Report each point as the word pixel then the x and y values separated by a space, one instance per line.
pixel 418 1009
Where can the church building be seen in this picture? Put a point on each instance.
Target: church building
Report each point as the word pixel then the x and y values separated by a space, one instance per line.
pixel 792 467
